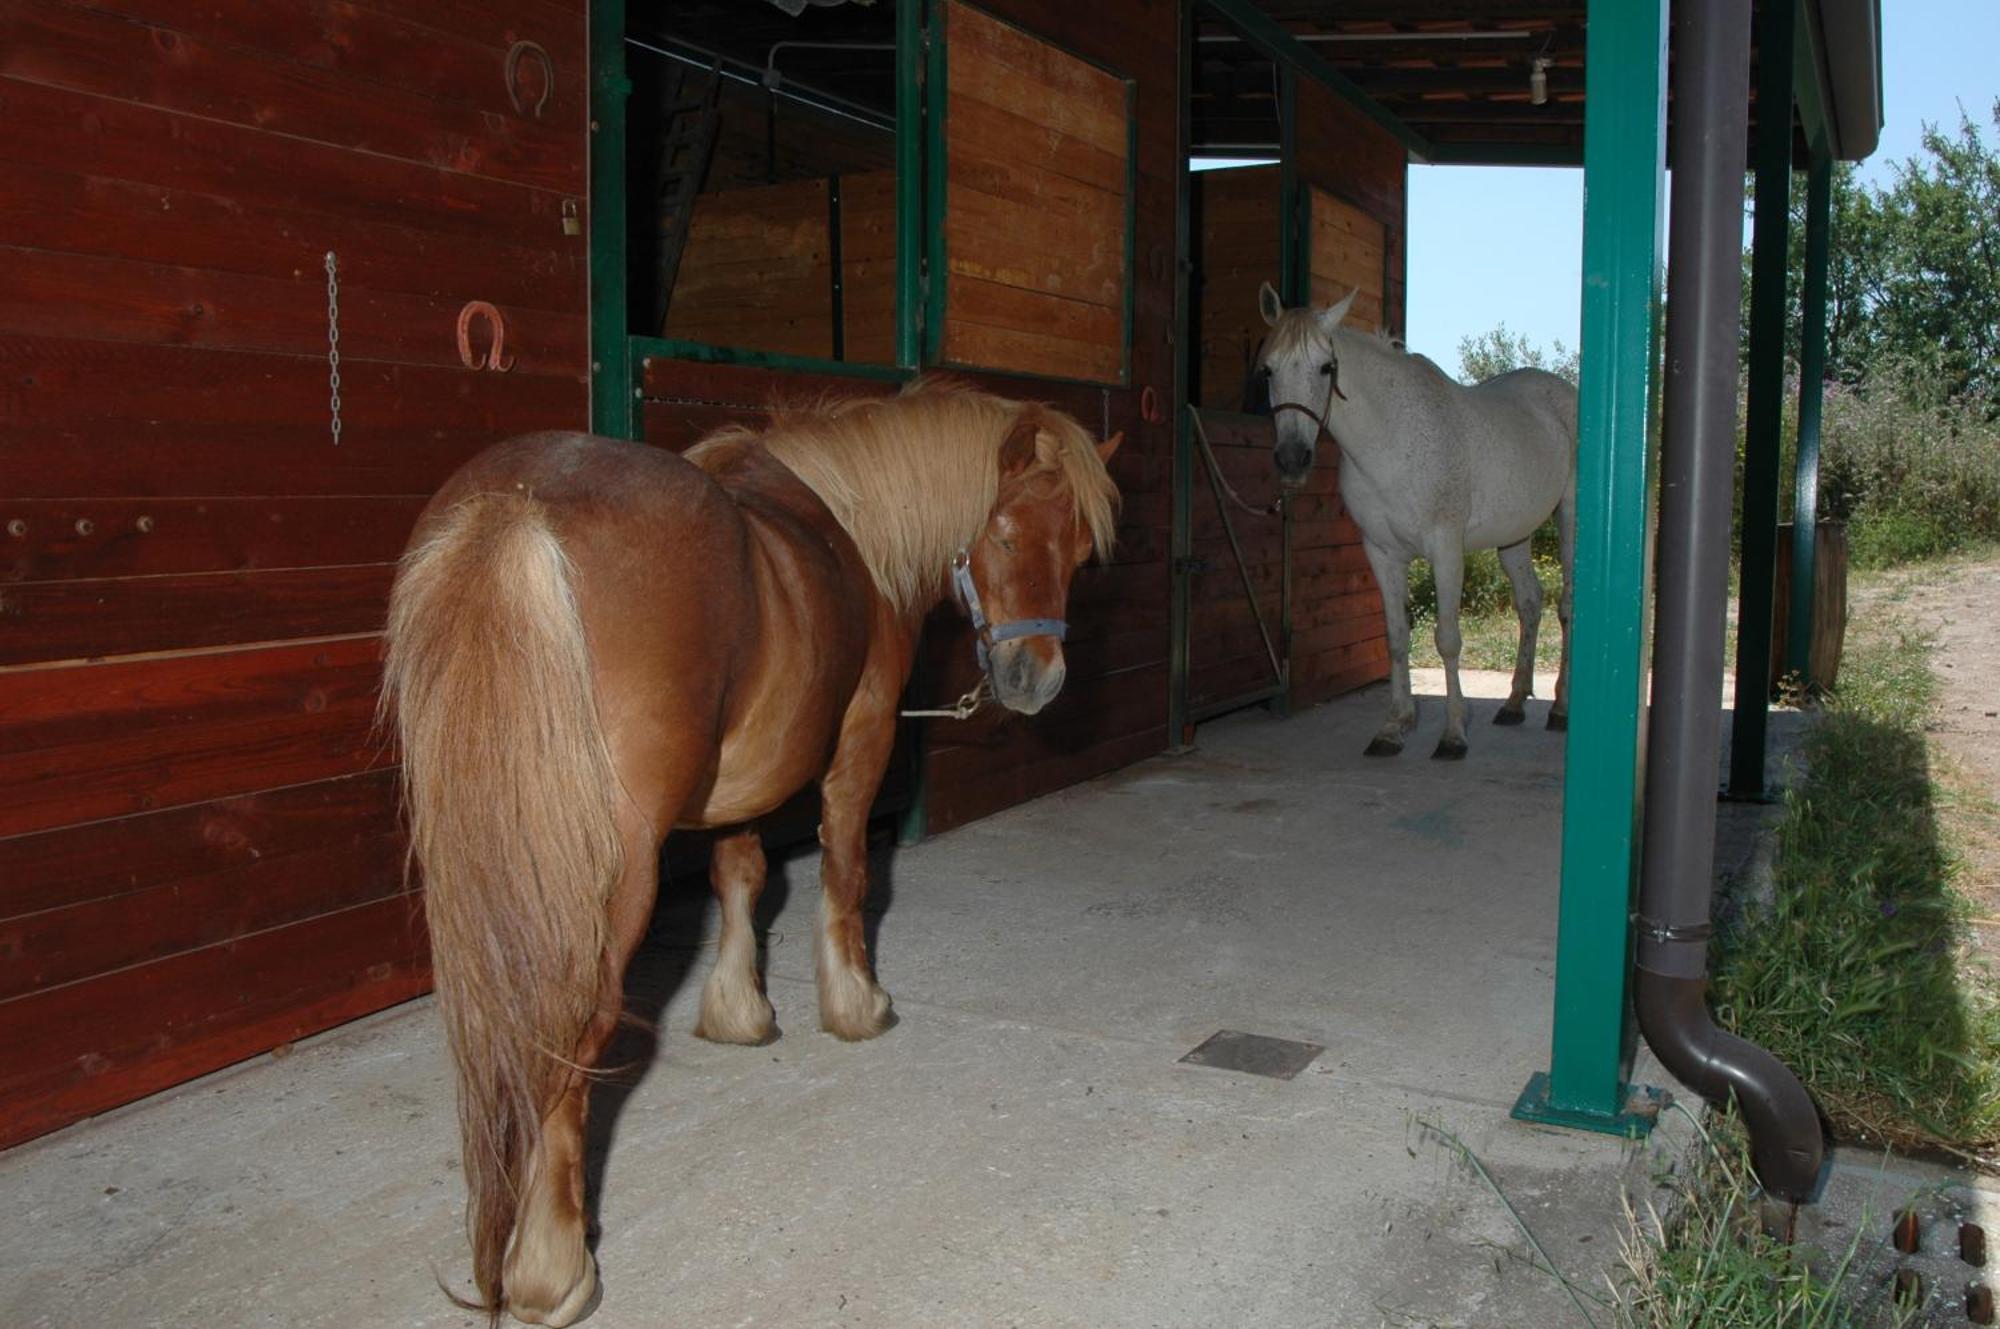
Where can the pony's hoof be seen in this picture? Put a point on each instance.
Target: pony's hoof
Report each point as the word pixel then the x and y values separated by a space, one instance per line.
pixel 1449 749
pixel 1559 721
pixel 579 1304
pixel 1509 714
pixel 858 1016
pixel 746 1025
pixel 1383 747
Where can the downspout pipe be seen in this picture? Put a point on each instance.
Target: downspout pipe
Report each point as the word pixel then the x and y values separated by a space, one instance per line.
pixel 1711 78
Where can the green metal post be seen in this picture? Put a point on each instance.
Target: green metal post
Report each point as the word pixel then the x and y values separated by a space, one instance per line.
pixel 1624 166
pixel 1770 231
pixel 936 93
pixel 1293 288
pixel 909 184
pixel 612 386
pixel 1812 390
pixel 913 153
pixel 1186 353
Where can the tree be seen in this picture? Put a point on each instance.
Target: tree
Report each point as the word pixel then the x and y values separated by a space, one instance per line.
pixel 1939 303
pixel 1497 351
pixel 1913 271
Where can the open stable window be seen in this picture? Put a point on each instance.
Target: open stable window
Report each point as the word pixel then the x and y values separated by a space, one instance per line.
pixel 762 166
pixel 1032 159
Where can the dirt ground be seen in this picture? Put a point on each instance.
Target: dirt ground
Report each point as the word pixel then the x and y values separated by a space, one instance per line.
pixel 1960 605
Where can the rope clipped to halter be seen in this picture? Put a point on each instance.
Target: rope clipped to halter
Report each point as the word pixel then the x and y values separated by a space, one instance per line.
pixel 986 636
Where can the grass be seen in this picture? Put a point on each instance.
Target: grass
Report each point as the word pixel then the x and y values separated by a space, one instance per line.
pixel 1704 1259
pixel 1857 973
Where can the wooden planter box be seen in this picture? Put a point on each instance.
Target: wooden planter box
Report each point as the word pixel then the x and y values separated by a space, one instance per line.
pixel 1829 605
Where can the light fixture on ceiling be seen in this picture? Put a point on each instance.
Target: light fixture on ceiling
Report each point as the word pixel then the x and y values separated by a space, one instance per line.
pixel 1538 81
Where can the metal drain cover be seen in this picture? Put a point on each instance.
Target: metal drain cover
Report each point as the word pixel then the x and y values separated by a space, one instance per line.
pixel 1254 1054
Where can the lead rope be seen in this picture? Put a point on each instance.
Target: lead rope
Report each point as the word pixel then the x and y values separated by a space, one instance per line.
pixel 963 709
pixel 1215 473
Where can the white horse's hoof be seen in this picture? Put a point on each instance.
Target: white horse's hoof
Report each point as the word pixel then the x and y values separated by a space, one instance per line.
pixel 1380 746
pixel 1559 721
pixel 1509 714
pixel 1449 749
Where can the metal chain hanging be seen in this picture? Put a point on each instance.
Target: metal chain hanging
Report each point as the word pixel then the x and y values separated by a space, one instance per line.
pixel 333 342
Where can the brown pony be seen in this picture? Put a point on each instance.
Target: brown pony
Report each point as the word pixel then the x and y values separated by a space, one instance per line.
pixel 591 643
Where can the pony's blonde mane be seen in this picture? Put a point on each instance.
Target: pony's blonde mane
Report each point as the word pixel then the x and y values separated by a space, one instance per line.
pixel 913 478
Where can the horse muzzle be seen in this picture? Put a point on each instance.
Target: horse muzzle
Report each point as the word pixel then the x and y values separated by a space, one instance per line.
pixel 1294 462
pixel 1025 678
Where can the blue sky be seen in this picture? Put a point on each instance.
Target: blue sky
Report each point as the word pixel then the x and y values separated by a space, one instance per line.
pixel 1489 245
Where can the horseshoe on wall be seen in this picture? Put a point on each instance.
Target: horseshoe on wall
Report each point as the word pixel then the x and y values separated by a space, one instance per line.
pixel 496 355
pixel 514 54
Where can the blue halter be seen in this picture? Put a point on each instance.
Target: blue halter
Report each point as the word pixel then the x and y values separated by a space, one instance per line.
pixel 988 635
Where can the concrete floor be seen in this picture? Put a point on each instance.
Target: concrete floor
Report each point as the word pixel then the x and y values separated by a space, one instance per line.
pixel 1025 1147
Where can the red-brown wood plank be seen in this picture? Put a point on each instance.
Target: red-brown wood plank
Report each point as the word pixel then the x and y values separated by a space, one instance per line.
pixel 85 1047
pixel 74 212
pixel 65 704
pixel 150 734
pixel 46 621
pixel 108 56
pixel 74 539
pixel 81 941
pixel 404 49
pixel 83 296
pixel 103 859
pixel 62 130
pixel 329 733
pixel 88 418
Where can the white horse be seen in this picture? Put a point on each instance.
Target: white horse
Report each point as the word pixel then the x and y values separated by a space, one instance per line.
pixel 1429 468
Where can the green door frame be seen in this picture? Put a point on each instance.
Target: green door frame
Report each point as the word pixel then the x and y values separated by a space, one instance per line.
pixel 1624 162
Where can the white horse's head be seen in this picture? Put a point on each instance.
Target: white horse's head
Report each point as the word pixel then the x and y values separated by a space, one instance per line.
pixel 1303 372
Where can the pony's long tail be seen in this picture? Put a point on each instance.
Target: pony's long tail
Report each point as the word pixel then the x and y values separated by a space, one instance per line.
pixel 510 793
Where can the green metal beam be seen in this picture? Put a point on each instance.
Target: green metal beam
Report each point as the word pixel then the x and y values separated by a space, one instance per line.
pixel 1294 286
pixel 668 348
pixel 1274 40
pixel 936 103
pixel 1812 392
pixel 1770 233
pixel 909 184
pixel 611 383
pixel 1624 169
pixel 1186 353
pixel 1809 76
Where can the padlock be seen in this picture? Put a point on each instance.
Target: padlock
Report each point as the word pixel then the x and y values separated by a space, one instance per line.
pixel 571 223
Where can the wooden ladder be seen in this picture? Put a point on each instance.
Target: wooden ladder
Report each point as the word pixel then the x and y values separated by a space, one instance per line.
pixel 690 115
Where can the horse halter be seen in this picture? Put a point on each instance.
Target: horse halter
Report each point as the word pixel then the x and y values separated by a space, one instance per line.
pixel 1332 390
pixel 988 635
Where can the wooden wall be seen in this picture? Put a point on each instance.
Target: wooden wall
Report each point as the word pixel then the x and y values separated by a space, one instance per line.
pixel 198 853
pixel 1036 193
pixel 757 270
pixel 1239 244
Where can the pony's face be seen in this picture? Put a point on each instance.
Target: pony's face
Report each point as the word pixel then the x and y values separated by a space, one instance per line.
pixel 1022 564
pixel 1301 371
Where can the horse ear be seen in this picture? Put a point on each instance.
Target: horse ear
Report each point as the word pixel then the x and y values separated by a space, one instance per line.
pixel 1334 315
pixel 1109 446
pixel 1269 305
pixel 1017 452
